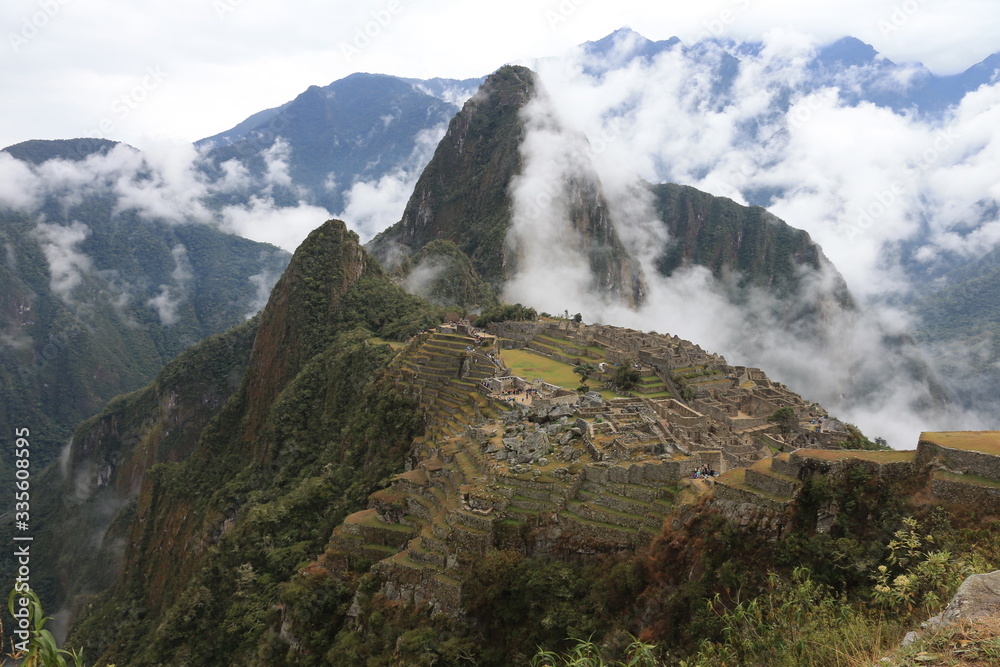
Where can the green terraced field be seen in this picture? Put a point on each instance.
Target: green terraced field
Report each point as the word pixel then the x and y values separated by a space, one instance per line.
pixel 529 365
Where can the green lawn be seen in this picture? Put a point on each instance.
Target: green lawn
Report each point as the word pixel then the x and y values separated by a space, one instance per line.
pixel 528 365
pixel 391 343
pixel 987 442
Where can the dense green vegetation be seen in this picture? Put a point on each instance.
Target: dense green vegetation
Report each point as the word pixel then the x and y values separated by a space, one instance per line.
pixel 506 313
pixel 266 501
pixel 127 433
pixel 716 594
pixel 444 275
pixel 625 376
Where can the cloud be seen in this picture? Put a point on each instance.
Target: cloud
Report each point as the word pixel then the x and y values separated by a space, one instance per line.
pixel 262 220
pixel 825 165
pixel 172 296
pixel 235 177
pixel 263 282
pixel 372 206
pixel 67 265
pixel 861 180
pixel 276 158
pixel 19 187
pixel 167 186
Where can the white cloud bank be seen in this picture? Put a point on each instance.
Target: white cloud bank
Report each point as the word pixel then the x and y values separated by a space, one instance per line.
pixel 829 165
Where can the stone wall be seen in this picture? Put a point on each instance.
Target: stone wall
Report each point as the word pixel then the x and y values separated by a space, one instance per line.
pixel 985 499
pixel 675 412
pixel 751 510
pixel 890 471
pixel 712 459
pixel 783 465
pixel 772 484
pixel 662 472
pixel 421 586
pixel 969 462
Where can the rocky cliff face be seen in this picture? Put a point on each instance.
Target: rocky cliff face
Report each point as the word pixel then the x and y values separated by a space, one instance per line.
pixel 283 416
pixel 464 195
pixel 742 246
pixel 299 318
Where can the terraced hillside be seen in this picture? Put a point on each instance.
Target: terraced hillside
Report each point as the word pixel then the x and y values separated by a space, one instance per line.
pixel 525 463
pixel 958 469
pixel 485 478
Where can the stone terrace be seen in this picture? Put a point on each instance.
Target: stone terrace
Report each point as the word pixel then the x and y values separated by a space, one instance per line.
pixel 591 475
pixel 966 467
pixel 482 479
pixel 963 468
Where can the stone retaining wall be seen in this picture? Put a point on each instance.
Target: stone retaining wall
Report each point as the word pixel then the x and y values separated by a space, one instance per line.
pixel 890 471
pixel 969 462
pixel 985 499
pixel 736 496
pixel 784 466
pixel 623 504
pixel 771 483
pixel 420 586
pixel 606 534
pixel 466 542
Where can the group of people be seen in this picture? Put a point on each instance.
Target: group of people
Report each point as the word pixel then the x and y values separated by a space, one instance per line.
pixel 704 473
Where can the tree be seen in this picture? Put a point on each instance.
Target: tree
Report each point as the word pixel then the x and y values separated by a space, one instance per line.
pixel 584 370
pixel 785 418
pixel 506 313
pixel 625 377
pixel 578 318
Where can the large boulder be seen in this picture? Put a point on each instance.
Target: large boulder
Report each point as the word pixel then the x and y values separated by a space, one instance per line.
pixel 978 598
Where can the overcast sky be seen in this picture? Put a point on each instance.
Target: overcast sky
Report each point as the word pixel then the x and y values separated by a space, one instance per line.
pixel 185 69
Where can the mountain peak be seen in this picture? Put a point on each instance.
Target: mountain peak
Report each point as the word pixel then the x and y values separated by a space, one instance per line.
pixel 625 44
pixel 847 52
pixel 37 151
pixel 465 194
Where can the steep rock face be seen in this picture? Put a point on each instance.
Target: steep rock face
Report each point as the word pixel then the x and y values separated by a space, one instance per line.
pixel 743 246
pixel 296 323
pixel 615 273
pixel 258 473
pixel 464 195
pixel 90 499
